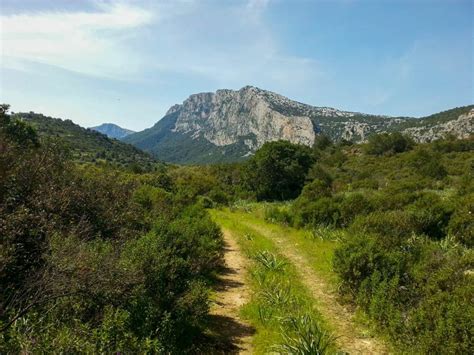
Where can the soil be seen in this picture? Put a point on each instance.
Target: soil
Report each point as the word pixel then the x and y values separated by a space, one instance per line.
pixel 231 294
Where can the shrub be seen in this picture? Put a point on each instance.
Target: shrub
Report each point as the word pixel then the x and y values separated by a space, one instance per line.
pixel 461 224
pixel 417 291
pixel 388 143
pixel 431 214
pixel 276 214
pixel 322 212
pixel 427 163
pixel 93 259
pixel 392 225
pixel 353 205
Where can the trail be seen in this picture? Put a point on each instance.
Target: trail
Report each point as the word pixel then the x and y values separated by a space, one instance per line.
pixel 351 337
pixel 232 293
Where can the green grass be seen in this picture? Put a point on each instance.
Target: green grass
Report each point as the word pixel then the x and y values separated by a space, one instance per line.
pixel 281 309
pixel 317 246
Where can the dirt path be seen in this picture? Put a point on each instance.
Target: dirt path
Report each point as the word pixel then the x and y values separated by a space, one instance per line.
pixel 351 337
pixel 232 293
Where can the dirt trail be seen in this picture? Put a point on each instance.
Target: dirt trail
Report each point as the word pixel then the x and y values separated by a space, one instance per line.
pixel 351 337
pixel 232 293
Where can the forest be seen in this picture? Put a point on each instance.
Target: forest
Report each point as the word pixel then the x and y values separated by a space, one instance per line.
pixel 101 257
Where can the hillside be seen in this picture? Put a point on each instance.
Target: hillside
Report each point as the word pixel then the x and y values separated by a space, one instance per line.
pixel 230 125
pixel 458 122
pixel 111 130
pixel 85 144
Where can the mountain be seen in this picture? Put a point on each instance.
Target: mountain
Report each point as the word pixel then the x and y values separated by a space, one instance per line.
pixel 229 125
pixel 458 122
pixel 111 130
pixel 86 144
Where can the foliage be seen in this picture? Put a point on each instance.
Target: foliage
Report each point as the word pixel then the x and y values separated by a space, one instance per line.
pixel 408 249
pixel 278 170
pixel 303 335
pixel 388 143
pixel 399 282
pixel 87 145
pixel 97 259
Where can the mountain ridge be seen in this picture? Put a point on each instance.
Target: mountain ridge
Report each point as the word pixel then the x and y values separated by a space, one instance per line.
pixel 229 125
pixel 112 130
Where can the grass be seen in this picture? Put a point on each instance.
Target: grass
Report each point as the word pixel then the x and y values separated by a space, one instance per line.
pixel 281 309
pixel 317 246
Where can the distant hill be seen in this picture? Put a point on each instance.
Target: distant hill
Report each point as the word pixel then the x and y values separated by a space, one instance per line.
pixel 86 144
pixel 111 130
pixel 230 125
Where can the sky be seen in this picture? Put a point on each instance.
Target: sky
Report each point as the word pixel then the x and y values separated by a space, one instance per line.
pixel 127 62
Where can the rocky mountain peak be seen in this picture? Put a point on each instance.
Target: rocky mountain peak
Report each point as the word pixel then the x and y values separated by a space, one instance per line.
pixel 228 125
pixel 247 115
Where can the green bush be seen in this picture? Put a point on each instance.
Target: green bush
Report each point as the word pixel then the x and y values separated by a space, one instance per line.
pixel 416 291
pixel 388 143
pixel 351 206
pixel 461 224
pixel 431 214
pixel 323 212
pixel 427 163
pixel 94 259
pixel 392 225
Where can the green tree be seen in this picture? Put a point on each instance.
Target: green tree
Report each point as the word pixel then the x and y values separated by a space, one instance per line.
pixel 278 170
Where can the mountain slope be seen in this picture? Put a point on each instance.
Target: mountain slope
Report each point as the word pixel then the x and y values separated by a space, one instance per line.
pixel 111 130
pixel 458 122
pixel 85 144
pixel 230 125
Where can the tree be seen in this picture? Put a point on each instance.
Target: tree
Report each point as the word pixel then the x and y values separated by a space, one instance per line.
pixel 278 170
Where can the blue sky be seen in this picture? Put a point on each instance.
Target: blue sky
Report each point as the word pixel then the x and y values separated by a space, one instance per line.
pixel 127 62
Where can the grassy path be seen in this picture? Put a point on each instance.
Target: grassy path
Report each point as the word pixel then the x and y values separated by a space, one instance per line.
pixel 310 261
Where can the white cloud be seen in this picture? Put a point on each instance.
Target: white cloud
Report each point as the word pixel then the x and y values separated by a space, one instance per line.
pixel 87 42
pixel 228 44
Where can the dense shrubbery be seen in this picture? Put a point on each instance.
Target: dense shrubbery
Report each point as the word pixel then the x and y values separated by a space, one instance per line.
pixel 388 143
pixel 419 291
pixel 94 259
pixel 408 210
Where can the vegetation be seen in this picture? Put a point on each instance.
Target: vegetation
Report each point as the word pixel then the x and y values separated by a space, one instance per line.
pixel 278 170
pixel 103 250
pixel 95 259
pixel 86 145
pixel 437 118
pixel 281 308
pixel 406 211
